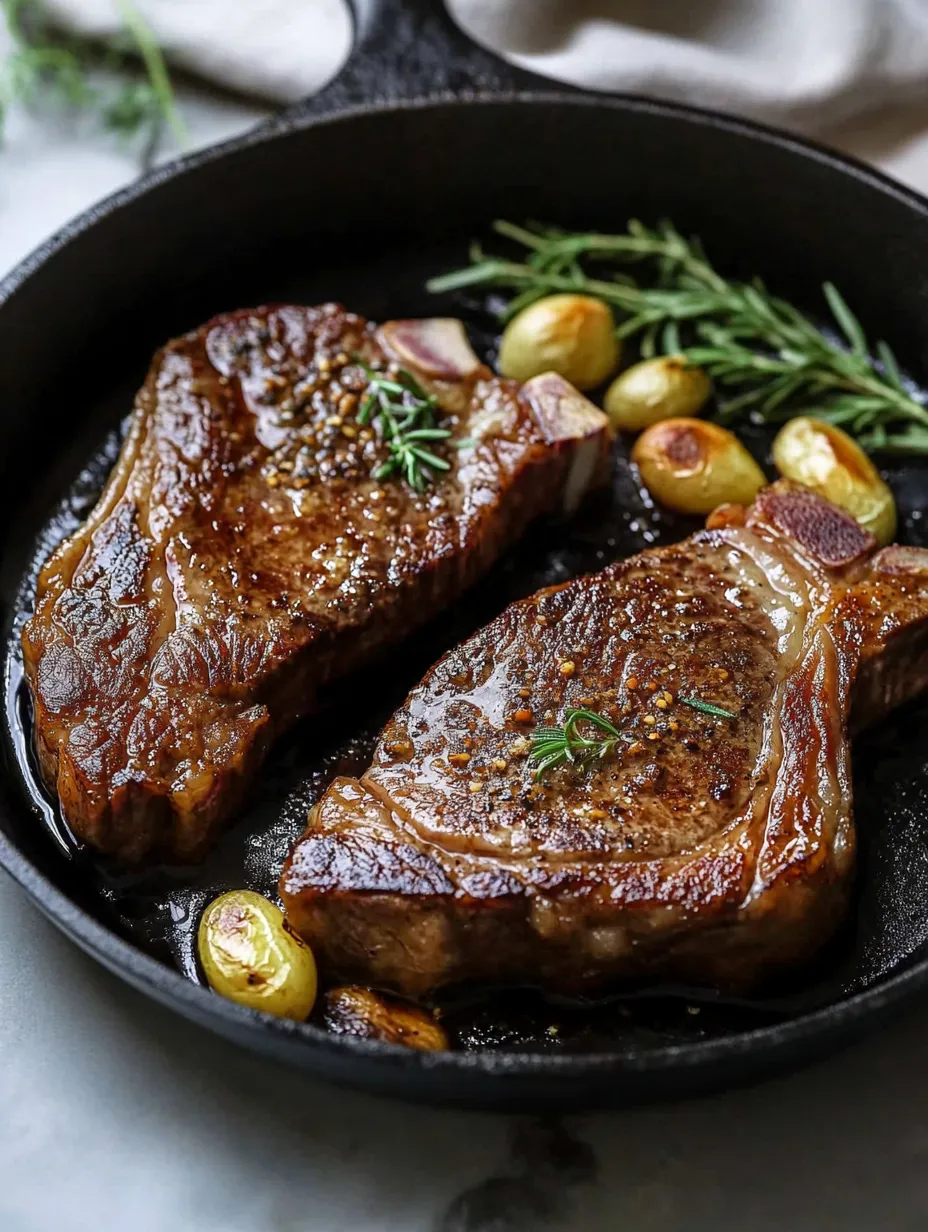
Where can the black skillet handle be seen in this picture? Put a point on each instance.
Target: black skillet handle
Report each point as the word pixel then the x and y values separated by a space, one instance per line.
pixel 412 49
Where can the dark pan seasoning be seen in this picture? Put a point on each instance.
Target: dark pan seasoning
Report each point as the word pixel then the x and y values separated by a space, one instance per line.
pixel 159 910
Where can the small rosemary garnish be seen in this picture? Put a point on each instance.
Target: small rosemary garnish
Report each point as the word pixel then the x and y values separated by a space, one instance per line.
pixel 405 414
pixel 765 356
pixel 552 746
pixel 707 708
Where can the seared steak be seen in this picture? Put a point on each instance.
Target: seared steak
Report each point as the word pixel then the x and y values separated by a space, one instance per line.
pixel 243 554
pixel 705 846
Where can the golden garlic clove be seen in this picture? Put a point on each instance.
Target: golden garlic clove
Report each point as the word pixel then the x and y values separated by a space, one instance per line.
pixel 829 462
pixel 250 955
pixel 692 466
pixel 353 1010
pixel 655 389
pixel 573 335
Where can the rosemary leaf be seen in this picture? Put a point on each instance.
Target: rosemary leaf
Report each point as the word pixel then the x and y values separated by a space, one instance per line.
pixel 707 708
pixel 158 78
pixel 890 365
pixel 846 319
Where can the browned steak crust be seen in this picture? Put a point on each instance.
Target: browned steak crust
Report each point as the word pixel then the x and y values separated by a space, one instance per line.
pixel 242 555
pixel 708 848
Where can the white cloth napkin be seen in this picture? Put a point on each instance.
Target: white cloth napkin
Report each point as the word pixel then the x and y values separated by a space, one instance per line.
pixel 804 63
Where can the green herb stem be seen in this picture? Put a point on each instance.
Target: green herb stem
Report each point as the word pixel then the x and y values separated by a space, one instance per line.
pixel 158 77
pixel 766 357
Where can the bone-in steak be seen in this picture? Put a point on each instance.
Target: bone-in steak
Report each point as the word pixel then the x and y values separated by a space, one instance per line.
pixel 703 847
pixel 243 554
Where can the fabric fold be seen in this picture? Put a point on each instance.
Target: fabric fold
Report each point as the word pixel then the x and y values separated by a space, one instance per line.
pixel 806 64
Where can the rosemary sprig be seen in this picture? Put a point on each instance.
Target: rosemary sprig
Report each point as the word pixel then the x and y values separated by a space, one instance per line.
pixel 48 65
pixel 552 746
pixel 766 357
pixel 707 708
pixel 405 414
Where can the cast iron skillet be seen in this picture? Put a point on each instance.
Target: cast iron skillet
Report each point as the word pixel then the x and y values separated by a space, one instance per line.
pixel 360 194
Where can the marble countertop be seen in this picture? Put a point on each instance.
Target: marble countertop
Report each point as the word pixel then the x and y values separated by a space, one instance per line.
pixel 116 1114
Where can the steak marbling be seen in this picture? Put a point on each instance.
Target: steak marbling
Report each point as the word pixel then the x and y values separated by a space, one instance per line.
pixel 708 848
pixel 242 555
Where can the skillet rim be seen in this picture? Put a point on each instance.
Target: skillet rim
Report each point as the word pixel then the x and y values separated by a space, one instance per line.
pixel 849 1016
pixel 320 111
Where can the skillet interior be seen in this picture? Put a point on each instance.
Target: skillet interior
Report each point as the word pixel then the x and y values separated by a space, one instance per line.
pixel 363 210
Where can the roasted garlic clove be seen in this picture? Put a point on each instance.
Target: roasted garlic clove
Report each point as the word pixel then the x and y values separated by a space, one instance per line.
pixel 655 389
pixel 250 955
pixel 353 1010
pixel 829 462
pixel 573 335
pixel 692 466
